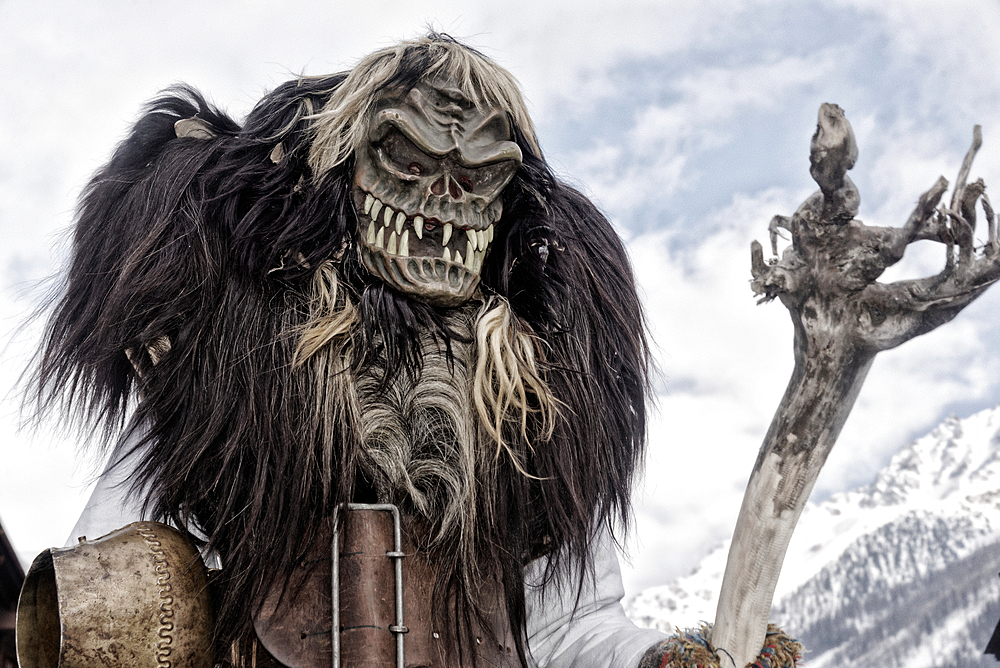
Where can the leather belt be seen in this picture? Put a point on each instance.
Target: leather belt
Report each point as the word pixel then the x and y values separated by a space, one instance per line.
pixel 378 581
pixel 366 591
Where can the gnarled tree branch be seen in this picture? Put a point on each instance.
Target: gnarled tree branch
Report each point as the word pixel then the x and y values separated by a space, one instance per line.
pixel 842 318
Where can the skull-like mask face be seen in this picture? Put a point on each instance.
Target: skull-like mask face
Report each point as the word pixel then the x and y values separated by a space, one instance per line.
pixel 427 191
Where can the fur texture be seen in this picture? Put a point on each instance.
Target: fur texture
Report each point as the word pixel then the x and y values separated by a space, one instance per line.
pixel 291 380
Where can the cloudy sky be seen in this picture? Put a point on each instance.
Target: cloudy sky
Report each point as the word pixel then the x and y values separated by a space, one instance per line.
pixel 688 124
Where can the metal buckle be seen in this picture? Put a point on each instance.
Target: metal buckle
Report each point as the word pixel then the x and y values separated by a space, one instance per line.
pixel 396 555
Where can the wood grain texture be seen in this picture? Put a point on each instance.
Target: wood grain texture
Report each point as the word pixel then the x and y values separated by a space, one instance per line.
pixel 842 317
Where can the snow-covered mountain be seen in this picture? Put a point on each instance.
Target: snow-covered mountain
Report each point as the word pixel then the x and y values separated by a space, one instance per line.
pixel 902 572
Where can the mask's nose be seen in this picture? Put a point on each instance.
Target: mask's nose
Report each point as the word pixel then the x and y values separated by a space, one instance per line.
pixel 447 184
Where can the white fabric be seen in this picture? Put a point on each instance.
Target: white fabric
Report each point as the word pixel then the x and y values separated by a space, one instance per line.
pixel 597 634
pixel 564 630
pixel 110 506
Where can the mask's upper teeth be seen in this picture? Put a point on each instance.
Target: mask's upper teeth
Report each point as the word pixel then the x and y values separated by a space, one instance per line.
pixel 371 234
pixel 473 239
pixel 391 246
pixel 369 200
pixel 404 244
pixel 388 216
pixel 481 235
pixel 489 234
pixel 446 254
pixel 400 219
pixel 447 234
pixel 379 237
pixel 418 226
pixel 376 207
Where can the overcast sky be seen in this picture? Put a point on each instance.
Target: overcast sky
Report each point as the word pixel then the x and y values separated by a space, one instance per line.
pixel 689 125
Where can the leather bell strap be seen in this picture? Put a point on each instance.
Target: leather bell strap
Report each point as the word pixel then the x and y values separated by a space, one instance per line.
pixel 294 623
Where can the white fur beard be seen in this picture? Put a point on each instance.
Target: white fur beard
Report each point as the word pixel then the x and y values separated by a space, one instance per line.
pixel 421 442
pixel 432 443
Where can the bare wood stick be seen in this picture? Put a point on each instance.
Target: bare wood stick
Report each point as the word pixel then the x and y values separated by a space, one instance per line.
pixel 963 172
pixel 991 223
pixel 801 436
pixel 842 319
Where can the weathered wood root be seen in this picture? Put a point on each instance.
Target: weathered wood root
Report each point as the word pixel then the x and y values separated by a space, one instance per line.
pixel 842 318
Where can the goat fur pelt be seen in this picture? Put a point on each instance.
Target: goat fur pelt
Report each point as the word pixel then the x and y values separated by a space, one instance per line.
pixel 215 297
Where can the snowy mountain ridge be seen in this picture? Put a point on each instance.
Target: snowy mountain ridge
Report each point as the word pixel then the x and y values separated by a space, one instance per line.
pixel 931 514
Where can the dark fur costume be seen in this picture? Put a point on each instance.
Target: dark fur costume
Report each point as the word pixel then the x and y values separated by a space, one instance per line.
pixel 213 244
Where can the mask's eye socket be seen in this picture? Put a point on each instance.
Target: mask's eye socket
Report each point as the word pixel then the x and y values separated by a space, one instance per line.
pixel 486 180
pixel 404 158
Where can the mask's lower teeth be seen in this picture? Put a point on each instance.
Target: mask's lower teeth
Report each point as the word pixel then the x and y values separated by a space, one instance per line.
pixel 384 219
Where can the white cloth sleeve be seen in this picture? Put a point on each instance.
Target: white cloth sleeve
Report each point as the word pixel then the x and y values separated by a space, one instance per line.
pixel 596 634
pixel 111 505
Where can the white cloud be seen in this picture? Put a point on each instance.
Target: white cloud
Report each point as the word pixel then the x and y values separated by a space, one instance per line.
pixel 656 158
pixel 725 361
pixel 562 52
